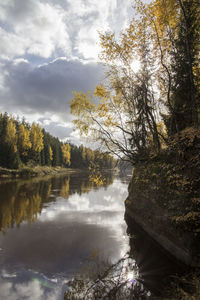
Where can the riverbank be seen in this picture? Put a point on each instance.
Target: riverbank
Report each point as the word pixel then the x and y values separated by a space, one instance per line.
pixel 37 171
pixel 164 200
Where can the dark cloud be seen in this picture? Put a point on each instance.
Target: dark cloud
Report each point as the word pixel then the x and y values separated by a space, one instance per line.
pixel 46 91
pixel 48 88
pixel 21 10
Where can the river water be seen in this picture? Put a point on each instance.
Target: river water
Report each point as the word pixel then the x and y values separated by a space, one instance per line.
pixel 50 226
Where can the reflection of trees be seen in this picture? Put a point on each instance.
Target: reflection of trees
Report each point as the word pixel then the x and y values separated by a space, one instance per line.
pixel 64 192
pixel 80 184
pixel 27 208
pixel 18 209
pixel 23 200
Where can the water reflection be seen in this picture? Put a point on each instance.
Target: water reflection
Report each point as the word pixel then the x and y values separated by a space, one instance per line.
pixel 24 200
pixel 30 290
pixel 49 227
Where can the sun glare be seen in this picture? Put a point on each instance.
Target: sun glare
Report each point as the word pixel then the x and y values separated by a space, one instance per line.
pixel 130 275
pixel 135 65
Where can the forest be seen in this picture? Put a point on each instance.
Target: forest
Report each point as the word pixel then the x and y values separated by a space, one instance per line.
pixel 22 144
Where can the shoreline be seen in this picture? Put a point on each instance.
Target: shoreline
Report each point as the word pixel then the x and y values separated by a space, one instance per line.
pixel 38 171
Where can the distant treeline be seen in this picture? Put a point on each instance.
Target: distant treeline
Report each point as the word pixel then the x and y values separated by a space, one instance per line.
pixel 22 143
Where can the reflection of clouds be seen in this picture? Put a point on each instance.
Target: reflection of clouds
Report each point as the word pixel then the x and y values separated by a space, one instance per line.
pixel 30 291
pixel 79 203
pixel 66 232
pixel 111 199
pixel 103 207
pixel 5 274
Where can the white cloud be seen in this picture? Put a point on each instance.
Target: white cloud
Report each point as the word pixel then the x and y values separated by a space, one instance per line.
pixel 94 16
pixel 32 27
pixel 45 28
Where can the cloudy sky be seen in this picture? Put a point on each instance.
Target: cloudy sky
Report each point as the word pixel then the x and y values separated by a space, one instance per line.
pixel 48 48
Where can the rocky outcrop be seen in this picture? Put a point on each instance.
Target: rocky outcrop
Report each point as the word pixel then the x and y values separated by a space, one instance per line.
pixel 148 205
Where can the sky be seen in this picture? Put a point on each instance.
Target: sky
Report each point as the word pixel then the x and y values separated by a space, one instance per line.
pixel 49 48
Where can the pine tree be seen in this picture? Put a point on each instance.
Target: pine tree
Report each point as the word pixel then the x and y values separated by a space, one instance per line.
pixel 185 94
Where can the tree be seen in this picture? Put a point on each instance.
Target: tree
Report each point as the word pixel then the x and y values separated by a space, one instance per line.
pixel 83 153
pixel 175 36
pixel 123 113
pixel 185 56
pixel 24 143
pixel 36 137
pixel 66 153
pixel 50 153
pixel 11 137
pixel 11 159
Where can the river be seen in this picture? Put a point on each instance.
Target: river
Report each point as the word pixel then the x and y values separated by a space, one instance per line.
pixel 50 226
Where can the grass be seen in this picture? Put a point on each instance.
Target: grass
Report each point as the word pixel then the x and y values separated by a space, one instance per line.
pixel 35 171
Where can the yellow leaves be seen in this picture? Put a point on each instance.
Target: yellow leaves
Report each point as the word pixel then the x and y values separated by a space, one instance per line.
pixel 65 189
pixel 66 152
pixel 101 92
pixel 11 137
pixel 166 16
pixel 93 118
pixel 190 216
pixel 50 153
pixel 109 122
pixel 81 104
pixel 107 42
pixel 95 175
pixel 36 137
pixel 24 139
pixel 187 136
pixel 102 109
pixel 82 126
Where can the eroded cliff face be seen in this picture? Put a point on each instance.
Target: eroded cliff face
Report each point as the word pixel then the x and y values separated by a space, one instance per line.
pixel 155 265
pixel 164 198
pixel 156 221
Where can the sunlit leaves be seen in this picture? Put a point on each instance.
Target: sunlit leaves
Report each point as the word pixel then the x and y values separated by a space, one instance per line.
pixel 101 92
pixel 36 136
pixel 24 139
pixel 66 152
pixel 11 137
pixel 81 103
pixel 95 113
pixel 95 174
pixel 50 153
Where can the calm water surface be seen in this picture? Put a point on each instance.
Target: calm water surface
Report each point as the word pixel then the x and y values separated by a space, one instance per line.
pixel 49 227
